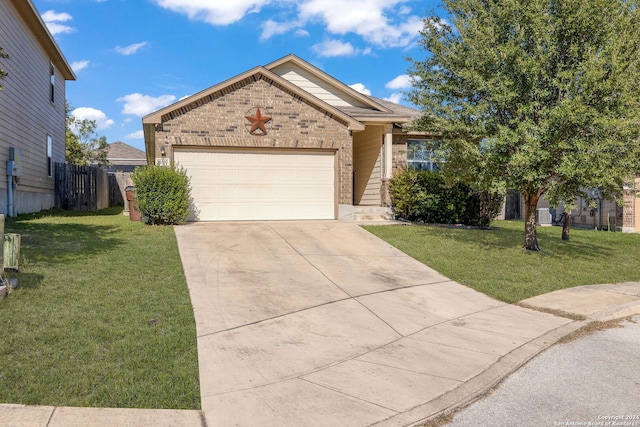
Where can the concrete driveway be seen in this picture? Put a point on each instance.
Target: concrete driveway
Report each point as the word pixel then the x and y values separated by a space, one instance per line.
pixel 322 323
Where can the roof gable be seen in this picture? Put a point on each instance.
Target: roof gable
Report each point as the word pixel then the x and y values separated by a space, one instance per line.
pixel 320 84
pixel 120 151
pixel 239 81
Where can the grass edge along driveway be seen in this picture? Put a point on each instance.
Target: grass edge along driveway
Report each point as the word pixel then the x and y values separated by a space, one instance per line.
pixel 494 263
pixel 102 316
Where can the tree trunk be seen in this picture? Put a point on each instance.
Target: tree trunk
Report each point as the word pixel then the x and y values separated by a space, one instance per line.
pixel 530 232
pixel 566 225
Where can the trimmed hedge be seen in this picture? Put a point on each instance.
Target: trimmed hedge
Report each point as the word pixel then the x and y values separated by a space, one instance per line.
pixel 163 194
pixel 424 196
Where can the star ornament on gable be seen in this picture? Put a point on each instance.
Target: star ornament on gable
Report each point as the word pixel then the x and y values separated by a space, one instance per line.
pixel 258 122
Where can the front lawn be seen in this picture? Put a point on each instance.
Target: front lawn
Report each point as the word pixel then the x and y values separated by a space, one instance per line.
pixel 493 261
pixel 102 316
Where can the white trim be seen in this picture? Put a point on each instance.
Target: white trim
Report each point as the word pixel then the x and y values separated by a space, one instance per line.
pixel 388 153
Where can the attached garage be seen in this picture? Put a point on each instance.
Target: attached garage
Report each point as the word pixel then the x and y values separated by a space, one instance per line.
pixel 284 141
pixel 260 184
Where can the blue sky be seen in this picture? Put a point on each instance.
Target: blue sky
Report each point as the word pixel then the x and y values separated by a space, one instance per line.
pixel 132 57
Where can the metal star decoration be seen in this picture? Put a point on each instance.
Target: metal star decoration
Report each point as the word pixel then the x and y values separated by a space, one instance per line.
pixel 258 122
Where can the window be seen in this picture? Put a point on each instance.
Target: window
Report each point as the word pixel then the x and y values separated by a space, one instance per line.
pixel 420 156
pixel 49 156
pixel 52 82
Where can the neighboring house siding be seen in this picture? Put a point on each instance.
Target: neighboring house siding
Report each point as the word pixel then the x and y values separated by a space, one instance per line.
pixel 28 116
pixel 367 156
pixel 315 86
pixel 294 125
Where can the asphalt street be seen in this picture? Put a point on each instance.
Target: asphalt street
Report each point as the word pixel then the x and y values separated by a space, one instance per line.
pixel 592 381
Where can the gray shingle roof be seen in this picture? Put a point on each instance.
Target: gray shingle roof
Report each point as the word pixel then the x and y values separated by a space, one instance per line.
pixel 121 153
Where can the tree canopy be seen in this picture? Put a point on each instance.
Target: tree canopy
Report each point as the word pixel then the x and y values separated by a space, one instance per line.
pixel 83 145
pixel 539 96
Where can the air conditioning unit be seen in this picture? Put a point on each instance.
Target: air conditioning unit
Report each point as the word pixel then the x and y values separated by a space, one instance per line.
pixel 543 216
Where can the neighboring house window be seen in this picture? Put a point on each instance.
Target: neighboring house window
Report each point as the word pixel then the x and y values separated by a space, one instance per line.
pixel 49 156
pixel 52 81
pixel 420 157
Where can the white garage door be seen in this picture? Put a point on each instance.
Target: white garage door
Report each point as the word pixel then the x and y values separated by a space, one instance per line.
pixel 259 185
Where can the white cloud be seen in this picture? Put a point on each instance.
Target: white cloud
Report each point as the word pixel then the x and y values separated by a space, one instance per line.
pixel 54 22
pixel 403 81
pixel 79 65
pixel 131 49
pixel 394 97
pixel 216 12
pixel 384 23
pixel 135 135
pixel 374 20
pixel 141 105
pixel 88 113
pixel 360 88
pixel 330 48
pixel 271 28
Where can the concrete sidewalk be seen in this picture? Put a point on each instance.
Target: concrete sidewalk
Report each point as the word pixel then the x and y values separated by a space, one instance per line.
pixel 321 323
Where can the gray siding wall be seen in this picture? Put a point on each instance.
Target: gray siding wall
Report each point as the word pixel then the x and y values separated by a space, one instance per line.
pixel 26 114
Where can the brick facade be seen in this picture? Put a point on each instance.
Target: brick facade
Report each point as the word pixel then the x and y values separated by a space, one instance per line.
pixel 218 120
pixel 399 152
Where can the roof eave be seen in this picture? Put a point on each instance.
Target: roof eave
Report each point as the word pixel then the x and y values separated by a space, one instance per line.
pixel 382 120
pixel 37 26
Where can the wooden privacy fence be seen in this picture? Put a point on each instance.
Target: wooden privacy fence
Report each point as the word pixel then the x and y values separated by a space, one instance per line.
pixel 118 182
pixel 81 188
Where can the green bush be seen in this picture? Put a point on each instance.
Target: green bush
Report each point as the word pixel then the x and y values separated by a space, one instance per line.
pixel 482 207
pixel 424 196
pixel 163 194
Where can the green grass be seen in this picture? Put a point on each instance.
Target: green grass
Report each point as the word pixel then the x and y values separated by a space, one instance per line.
pixel 493 261
pixel 77 332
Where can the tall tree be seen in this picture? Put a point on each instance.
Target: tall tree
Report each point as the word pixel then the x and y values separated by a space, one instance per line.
pixel 83 145
pixel 3 73
pixel 534 95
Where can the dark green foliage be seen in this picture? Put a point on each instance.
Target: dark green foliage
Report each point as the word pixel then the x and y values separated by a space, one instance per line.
pixel 539 96
pixel 163 194
pixel 425 196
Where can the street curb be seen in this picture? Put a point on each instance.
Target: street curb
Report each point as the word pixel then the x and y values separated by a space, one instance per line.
pixel 478 386
pixel 625 310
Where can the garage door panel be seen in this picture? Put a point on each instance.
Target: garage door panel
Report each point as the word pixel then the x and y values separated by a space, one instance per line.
pixel 259 185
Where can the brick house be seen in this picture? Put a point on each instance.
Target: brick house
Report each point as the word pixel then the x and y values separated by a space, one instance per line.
pixel 283 141
pixel 32 107
pixel 288 141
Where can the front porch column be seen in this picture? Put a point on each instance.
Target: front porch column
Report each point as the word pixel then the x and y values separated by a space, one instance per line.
pixel 387 165
pixel 388 153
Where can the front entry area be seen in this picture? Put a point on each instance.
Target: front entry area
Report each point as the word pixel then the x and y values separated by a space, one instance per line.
pixel 259 184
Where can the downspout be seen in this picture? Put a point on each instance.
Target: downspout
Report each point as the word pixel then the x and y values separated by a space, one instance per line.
pixel 10 167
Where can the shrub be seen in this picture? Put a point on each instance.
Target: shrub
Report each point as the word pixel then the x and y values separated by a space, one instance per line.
pixel 424 196
pixel 163 194
pixel 408 194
